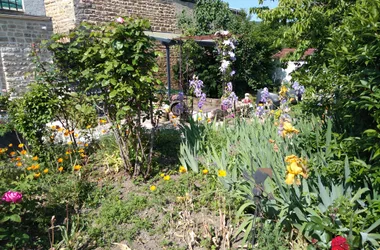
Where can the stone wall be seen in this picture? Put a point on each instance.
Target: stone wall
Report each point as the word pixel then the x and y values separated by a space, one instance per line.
pixel 17 33
pixel 163 14
pixel 62 13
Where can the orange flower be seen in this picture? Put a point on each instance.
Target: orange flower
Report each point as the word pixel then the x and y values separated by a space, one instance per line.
pixel 19 164
pixel 29 168
pixel 18 159
pixel 35 167
pixel 60 160
pixel 23 152
pixel 21 145
pixel 36 175
pixel 182 169
pixel 46 171
pixel 60 169
pixel 35 158
pixel 10 145
pixel 77 167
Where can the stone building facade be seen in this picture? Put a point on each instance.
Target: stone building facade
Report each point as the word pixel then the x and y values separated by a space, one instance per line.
pixel 162 14
pixel 19 28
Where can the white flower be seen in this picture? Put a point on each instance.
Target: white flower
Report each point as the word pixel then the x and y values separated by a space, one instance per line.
pixel 232 55
pixel 224 65
pixel 224 32
pixel 227 42
pixel 120 20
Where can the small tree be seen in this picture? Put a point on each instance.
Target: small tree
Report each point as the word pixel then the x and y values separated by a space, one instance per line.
pixel 114 64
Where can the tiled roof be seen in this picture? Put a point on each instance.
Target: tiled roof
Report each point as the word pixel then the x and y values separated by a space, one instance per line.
pixel 286 51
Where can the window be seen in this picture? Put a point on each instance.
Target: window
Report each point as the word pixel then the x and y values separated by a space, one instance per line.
pixel 11 5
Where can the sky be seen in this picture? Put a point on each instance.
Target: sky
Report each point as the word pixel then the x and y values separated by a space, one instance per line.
pixel 246 4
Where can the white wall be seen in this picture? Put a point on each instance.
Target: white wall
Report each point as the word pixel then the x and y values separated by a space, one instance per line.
pixel 284 74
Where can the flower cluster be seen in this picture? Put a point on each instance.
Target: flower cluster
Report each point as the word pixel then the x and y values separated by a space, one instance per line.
pixel 226 48
pixel 339 243
pixel 196 85
pixel 295 166
pixel 299 89
pixel 12 197
pixel 263 102
pixel 287 129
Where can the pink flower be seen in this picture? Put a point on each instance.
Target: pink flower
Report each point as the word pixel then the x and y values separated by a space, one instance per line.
pixel 339 243
pixel 12 196
pixel 120 20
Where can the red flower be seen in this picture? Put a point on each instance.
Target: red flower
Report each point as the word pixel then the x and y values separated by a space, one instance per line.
pixel 339 243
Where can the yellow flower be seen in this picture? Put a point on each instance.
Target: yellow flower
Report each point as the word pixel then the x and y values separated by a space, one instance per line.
pixel 82 155
pixel 289 179
pixel 199 118
pixel 204 171
pixel 182 169
pixel 36 175
pixel 60 160
pixel 23 152
pixel 53 127
pixel 35 158
pixel 60 169
pixel 81 150
pixel 200 111
pixel 104 131
pixel 29 168
pixel 69 142
pixel 288 128
pixel 86 145
pixel 76 135
pixel 283 90
pixel 19 164
pixel 208 120
pixel 88 126
pixel 291 158
pixel 68 152
pixel 21 145
pixel 153 188
pixel 77 167
pixel 103 121
pixel 294 168
pixel 222 173
pixel 10 145
pixel 162 175
pixel 46 171
pixel 167 177
pixel 35 167
pixel 60 129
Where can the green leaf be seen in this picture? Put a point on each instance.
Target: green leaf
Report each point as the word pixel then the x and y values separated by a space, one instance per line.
pixel 15 218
